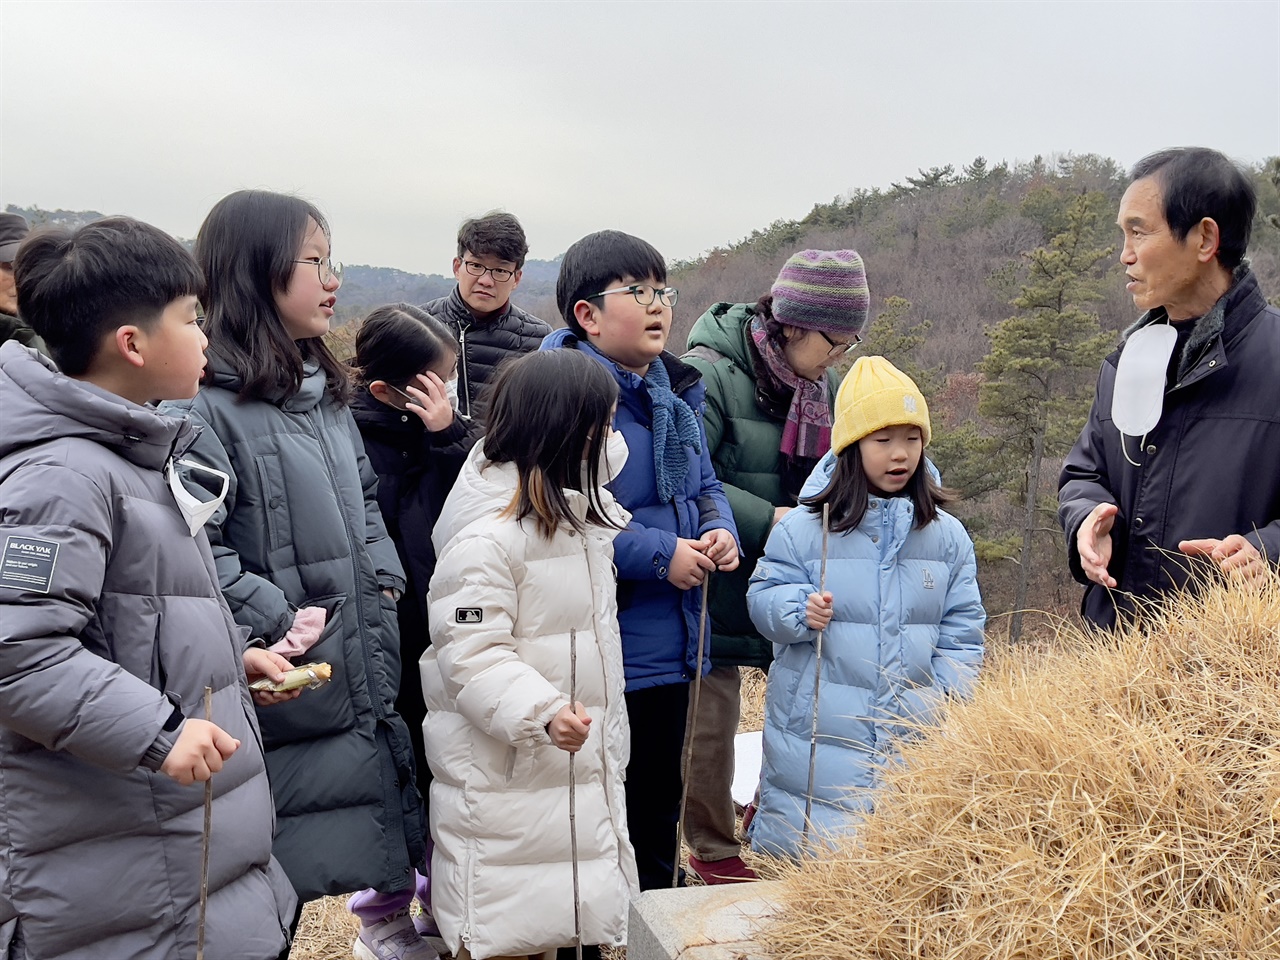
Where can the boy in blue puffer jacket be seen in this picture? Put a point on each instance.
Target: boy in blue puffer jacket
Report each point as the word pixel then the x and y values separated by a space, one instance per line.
pixel 903 617
pixel 612 293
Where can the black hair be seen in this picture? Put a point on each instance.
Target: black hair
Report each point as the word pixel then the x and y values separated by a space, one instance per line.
pixel 247 246
pixel 76 286
pixel 774 328
pixel 1198 182
pixel 849 493
pixel 398 341
pixel 546 408
pixel 496 234
pixel 598 260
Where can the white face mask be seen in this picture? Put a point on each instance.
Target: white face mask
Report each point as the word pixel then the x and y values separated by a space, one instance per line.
pixel 613 457
pixel 195 511
pixel 451 391
pixel 1137 399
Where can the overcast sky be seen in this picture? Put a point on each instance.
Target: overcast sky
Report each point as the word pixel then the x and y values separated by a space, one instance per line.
pixel 689 124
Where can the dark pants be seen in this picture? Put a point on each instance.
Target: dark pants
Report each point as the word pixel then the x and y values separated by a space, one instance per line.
pixel 657 716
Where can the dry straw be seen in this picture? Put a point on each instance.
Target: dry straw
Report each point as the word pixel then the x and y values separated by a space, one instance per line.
pixel 1105 799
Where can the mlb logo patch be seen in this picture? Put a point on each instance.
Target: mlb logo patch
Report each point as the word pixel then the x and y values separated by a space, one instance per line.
pixel 928 580
pixel 909 403
pixel 468 615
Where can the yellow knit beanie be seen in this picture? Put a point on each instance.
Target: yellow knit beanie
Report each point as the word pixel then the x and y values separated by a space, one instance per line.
pixel 875 394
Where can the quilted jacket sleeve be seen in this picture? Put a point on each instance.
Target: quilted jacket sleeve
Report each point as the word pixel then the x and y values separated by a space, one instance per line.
pixel 53 690
pixel 386 562
pixel 482 671
pixel 1084 483
pixel 958 657
pixel 780 587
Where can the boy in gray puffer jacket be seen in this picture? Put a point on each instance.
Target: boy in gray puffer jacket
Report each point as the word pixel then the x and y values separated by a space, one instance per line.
pixel 112 626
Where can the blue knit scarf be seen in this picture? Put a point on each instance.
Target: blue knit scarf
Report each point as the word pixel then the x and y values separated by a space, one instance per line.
pixel 674 427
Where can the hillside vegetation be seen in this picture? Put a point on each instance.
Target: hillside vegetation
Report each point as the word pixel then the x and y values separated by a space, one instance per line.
pixel 998 287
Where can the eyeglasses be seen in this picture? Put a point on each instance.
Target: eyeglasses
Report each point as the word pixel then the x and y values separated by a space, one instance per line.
pixel 499 274
pixel 839 349
pixel 645 294
pixel 326 268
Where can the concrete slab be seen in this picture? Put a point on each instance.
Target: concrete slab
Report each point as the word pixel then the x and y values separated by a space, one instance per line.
pixel 700 923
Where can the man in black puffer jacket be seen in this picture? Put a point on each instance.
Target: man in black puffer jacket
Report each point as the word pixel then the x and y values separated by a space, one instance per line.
pixel 489 327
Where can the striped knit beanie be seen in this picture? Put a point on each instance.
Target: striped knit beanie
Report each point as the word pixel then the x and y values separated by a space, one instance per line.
pixel 823 290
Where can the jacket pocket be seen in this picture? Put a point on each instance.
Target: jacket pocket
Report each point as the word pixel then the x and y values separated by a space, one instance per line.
pixel 326 710
pixel 275 505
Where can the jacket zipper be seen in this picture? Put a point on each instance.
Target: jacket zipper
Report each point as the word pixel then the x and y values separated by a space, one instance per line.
pixel 375 697
pixel 466 376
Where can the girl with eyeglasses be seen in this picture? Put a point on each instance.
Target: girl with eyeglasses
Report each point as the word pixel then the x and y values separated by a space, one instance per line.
pixel 303 557
pixel 768 370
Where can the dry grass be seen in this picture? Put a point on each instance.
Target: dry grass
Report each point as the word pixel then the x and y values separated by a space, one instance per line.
pixel 751 717
pixel 1096 800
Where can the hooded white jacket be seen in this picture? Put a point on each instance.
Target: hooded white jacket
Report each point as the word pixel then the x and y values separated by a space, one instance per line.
pixel 502 603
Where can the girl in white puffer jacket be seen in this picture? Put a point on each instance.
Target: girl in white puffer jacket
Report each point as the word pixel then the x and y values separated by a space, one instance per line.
pixel 524 592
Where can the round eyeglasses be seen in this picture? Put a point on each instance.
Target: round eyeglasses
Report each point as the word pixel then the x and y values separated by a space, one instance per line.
pixel 645 294
pixel 839 349
pixel 327 268
pixel 499 274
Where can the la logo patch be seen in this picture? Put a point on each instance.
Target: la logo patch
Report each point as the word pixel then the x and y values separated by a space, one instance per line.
pixel 468 615
pixel 928 580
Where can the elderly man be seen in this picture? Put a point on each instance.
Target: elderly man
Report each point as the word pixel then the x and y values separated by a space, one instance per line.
pixel 13 230
pixel 1180 457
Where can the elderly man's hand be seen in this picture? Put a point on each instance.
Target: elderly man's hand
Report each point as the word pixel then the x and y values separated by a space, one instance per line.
pixel 1234 555
pixel 1093 541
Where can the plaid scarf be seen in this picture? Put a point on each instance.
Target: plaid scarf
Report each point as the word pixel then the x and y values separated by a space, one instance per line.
pixel 807 432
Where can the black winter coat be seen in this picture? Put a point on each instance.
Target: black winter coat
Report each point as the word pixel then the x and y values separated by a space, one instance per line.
pixel 301 527
pixel 1210 468
pixel 484 344
pixel 416 470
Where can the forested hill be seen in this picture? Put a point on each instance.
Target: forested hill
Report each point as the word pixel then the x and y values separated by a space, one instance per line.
pixel 997 287
pixel 363 286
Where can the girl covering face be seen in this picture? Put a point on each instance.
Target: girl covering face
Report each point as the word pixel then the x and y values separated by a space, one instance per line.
pixel 406 361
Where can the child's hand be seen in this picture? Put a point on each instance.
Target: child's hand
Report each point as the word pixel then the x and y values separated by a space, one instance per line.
pixel 568 729
pixel 198 755
pixel 689 565
pixel 433 407
pixel 719 545
pixel 779 513
pixel 818 611
pixel 259 663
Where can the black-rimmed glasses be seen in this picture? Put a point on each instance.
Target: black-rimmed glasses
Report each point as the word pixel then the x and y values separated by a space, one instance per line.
pixel 327 268
pixel 839 349
pixel 645 294
pixel 499 274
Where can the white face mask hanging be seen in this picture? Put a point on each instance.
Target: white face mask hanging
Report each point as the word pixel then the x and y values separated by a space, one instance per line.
pixel 195 511
pixel 451 391
pixel 1137 399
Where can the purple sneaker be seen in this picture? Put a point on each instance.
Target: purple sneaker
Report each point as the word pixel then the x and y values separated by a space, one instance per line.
pixel 392 939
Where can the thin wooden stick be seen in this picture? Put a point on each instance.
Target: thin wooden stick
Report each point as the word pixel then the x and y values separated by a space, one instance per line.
pixel 817 683
pixel 204 844
pixel 573 800
pixel 691 727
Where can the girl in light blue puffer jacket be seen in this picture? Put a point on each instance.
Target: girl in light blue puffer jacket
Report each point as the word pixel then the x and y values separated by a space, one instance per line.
pixel 902 614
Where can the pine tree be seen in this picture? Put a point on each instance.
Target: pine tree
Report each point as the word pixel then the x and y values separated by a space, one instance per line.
pixel 1040 371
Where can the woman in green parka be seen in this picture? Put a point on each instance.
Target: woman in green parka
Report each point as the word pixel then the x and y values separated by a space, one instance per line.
pixel 766 367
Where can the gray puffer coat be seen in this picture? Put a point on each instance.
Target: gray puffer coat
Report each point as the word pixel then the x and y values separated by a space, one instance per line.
pixel 116 621
pixel 300 527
